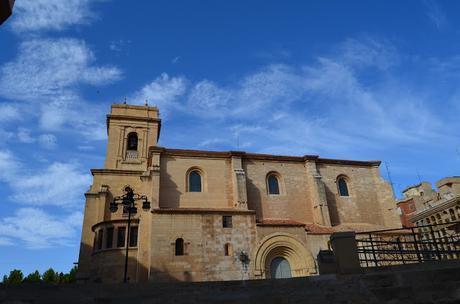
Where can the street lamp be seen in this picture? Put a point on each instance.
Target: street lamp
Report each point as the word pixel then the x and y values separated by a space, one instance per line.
pixel 128 201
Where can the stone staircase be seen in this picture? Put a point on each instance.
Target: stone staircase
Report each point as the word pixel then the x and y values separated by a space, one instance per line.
pixel 434 283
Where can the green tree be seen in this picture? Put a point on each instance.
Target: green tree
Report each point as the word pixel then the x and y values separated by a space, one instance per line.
pixel 33 277
pixel 73 275
pixel 5 279
pixel 50 276
pixel 15 277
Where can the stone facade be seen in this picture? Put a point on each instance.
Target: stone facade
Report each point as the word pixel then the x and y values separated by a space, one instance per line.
pixel 435 207
pixel 220 215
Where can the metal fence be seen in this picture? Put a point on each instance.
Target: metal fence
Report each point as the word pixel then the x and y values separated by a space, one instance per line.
pixel 409 245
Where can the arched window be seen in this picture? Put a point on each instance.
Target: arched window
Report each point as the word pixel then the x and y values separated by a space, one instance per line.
pixel 273 184
pixel 228 249
pixel 132 142
pixel 343 187
pixel 194 181
pixel 179 246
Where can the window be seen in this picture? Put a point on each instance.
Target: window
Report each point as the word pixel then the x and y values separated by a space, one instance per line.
pixel 121 235
pixel 343 187
pixel 95 240
pixel 227 221
pixel 100 235
pixel 133 236
pixel 194 181
pixel 228 249
pixel 273 184
pixel 132 142
pixel 109 238
pixel 179 247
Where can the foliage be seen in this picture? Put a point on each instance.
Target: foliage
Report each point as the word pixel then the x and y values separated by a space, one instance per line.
pixel 33 277
pixel 50 276
pixel 14 278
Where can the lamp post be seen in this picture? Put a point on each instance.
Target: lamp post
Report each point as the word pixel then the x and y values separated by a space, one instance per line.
pixel 128 201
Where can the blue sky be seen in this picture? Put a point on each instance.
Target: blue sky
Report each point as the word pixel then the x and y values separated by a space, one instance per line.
pixel 342 79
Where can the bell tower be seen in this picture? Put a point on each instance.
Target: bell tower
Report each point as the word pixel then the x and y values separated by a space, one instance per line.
pixel 131 131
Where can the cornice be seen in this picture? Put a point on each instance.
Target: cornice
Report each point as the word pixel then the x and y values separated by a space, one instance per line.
pixel 435 209
pixel 203 210
pixel 257 156
pixel 115 172
pixel 111 222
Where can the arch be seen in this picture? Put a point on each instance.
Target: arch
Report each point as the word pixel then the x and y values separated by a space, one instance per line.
pixel 342 185
pixel 195 180
pixel 273 183
pixel 179 247
pixel 286 246
pixel 438 218
pixel 132 141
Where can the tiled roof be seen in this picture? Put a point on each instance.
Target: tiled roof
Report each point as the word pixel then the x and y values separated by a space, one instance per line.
pixel 318 229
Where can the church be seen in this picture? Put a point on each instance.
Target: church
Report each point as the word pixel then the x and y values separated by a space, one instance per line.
pixel 219 215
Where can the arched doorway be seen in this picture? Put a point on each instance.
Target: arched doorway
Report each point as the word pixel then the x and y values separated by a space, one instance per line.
pixel 283 253
pixel 280 268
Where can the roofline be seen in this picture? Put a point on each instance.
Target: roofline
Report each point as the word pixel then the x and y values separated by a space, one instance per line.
pixel 204 211
pixel 434 209
pixel 258 156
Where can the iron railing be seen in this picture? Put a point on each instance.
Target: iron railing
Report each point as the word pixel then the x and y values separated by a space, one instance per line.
pixel 409 245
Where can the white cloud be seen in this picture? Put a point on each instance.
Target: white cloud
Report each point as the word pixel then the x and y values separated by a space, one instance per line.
pixel 36 229
pixel 209 99
pixel 162 92
pixel 47 74
pixel 341 105
pixel 39 15
pixel 51 68
pixel 24 136
pixel 368 52
pixel 61 184
pixel 9 166
pixel 9 112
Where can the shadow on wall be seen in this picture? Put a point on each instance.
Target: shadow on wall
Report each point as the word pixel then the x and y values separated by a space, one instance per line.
pixel 254 197
pixel 107 266
pixel 169 194
pixel 332 206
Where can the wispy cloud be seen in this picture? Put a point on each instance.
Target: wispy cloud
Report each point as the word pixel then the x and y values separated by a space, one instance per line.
pixel 34 228
pixel 59 184
pixel 47 74
pixel 9 112
pixel 435 13
pixel 319 108
pixel 43 15
pixel 163 92
pixel 47 68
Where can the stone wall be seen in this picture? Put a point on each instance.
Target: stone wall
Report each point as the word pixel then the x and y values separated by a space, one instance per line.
pixel 205 238
pixel 433 283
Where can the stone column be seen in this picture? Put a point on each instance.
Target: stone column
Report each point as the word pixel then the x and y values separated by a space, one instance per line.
pixel 150 186
pixel 318 194
pixel 346 252
pixel 240 197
